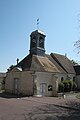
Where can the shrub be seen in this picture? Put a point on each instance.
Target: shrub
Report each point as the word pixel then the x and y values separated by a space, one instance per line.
pixel 74 86
pixel 70 85
pixel 67 86
pixel 61 87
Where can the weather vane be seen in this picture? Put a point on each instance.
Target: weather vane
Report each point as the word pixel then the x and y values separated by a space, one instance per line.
pixel 37 23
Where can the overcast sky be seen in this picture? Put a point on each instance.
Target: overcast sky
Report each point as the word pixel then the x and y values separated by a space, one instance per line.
pixel 59 19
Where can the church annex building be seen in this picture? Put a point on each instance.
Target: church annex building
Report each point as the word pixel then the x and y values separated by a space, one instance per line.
pixel 39 73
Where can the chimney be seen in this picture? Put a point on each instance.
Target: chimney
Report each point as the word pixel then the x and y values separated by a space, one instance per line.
pixel 17 60
pixel 65 54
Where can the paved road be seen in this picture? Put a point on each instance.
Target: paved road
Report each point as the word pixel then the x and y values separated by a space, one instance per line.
pixel 72 95
pixel 33 108
pixel 16 109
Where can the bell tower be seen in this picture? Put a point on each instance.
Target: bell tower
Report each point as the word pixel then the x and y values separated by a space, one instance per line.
pixel 37 43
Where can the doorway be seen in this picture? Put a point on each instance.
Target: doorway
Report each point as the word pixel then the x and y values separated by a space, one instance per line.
pixel 16 85
pixel 43 89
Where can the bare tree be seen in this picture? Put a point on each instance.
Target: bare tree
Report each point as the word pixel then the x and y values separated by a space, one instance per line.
pixel 77 46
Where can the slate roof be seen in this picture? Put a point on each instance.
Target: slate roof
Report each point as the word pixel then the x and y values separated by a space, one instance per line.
pixel 64 62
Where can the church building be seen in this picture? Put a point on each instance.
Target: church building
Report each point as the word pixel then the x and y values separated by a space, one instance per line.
pixel 38 74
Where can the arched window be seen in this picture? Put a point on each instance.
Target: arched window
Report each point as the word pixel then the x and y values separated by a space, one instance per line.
pixel 74 79
pixel 41 42
pixel 33 42
pixel 62 79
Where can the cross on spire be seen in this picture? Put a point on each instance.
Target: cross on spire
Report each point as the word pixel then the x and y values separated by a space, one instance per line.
pixel 37 23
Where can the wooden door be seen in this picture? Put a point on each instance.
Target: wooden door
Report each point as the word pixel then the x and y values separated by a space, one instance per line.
pixel 43 89
pixel 16 85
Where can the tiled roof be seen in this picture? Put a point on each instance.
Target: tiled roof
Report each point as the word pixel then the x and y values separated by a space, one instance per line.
pixel 50 63
pixel 47 64
pixel 64 62
pixel 56 64
pixel 37 63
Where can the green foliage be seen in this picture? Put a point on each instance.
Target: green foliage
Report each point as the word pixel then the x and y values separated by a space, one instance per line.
pixel 10 68
pixel 61 87
pixel 70 85
pixel 74 86
pixel 74 62
pixel 67 86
